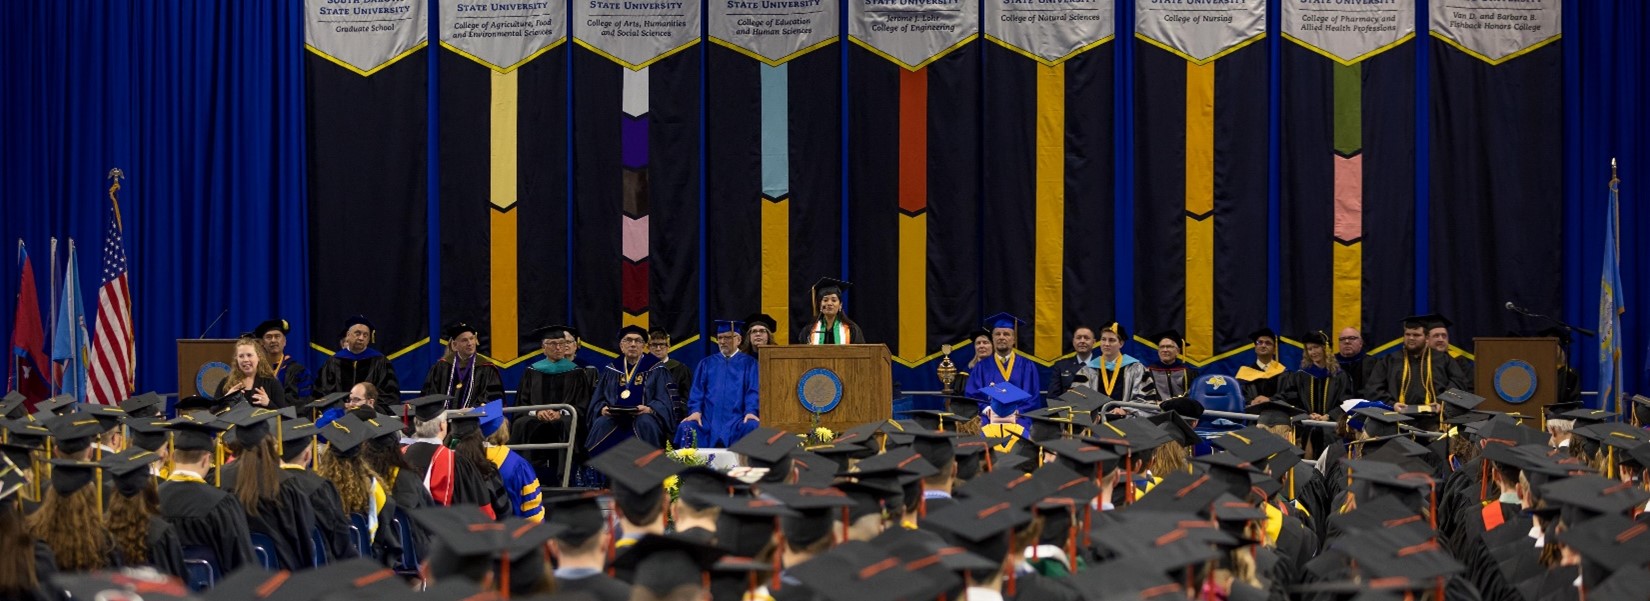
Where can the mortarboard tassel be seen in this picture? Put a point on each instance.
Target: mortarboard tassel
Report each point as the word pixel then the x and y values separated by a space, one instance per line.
pixel 778 555
pixel 704 580
pixel 504 578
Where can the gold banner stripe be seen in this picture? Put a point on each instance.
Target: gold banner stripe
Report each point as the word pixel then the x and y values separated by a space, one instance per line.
pixel 776 264
pixel 913 285
pixel 502 187
pixel 1049 288
pixel 1348 292
pixel 1200 200
pixel 503 293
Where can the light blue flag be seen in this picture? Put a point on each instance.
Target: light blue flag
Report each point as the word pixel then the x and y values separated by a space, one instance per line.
pixel 69 342
pixel 1610 308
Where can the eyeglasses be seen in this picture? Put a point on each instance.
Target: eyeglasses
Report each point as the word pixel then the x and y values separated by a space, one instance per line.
pixel 657 345
pixel 1349 339
pixel 630 340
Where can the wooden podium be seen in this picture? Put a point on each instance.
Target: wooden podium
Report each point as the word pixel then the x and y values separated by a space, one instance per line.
pixel 856 376
pixel 1528 378
pixel 193 354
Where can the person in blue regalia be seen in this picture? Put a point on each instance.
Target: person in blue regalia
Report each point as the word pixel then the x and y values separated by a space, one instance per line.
pixel 632 397
pixel 722 403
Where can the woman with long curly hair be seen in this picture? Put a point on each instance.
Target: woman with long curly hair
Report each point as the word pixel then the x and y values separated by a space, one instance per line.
pixel 275 506
pixel 361 490
pixel 140 534
pixel 252 375
pixel 20 572
pixel 70 521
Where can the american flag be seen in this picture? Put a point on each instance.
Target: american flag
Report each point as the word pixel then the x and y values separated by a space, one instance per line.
pixel 112 364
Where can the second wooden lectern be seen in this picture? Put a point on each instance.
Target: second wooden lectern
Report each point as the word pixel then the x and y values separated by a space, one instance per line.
pixel 847 385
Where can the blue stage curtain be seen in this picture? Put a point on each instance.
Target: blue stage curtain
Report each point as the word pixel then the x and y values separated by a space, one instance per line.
pixel 200 103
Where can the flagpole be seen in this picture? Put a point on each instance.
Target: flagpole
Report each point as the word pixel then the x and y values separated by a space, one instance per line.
pixel 55 385
pixel 1615 238
pixel 17 363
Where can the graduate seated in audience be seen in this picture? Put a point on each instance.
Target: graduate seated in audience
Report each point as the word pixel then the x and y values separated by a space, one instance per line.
pixel 70 520
pixel 361 492
pixel 27 563
pixel 141 535
pixel 203 515
pixel 580 547
pixel 1438 340
pixel 637 473
pixel 298 447
pixel 476 480
pixel 520 482
pixel 275 505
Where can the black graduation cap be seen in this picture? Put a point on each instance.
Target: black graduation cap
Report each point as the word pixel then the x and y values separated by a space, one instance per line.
pixel 746 524
pixel 11 407
pixel 356 320
pixel 74 432
pixel 904 460
pixel 17 454
pixel 59 404
pixel 816 506
pixel 1459 401
pixel 1624 585
pixel 322 404
pixel 346 435
pixel 637 466
pixel 130 469
pixel 1427 321
pixel 1166 540
pixel 460 423
pixel 1177 428
pixel 1079 399
pixel 765 446
pixel 70 475
pixel 934 419
pixel 148 404
pixel 273 324
pixel 1186 407
pixel 662 563
pixel 1133 435
pixel 120 584
pixel 458 329
pixel 1555 409
pixel 469 543
pixel 1081 455
pixel 1251 444
pixel 251 423
pixel 812 469
pixel 1275 413
pixel 631 329
pixel 578 516
pixel 1587 417
pixel 1614 434
pixel 429 407
pixel 1592 496
pixel 828 286
pixel 938 447
pixel 868 499
pixel 197 402
pixel 549 332
pixel 107 416
pixel 1610 540
pixel 1116 329
pixel 1235 474
pixel 1171 335
pixel 976 520
pixel 865 434
pixel 1379 513
pixel 27 433
pixel 1124 578
pixel 1386 553
pixel 298 428
pixel 1263 333
pixel 859 573
pixel 255 582
pixel 1379 422
pixel 760 319
pixel 972 451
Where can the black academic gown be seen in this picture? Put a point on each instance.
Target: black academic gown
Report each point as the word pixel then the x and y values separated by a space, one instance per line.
pixel 805 332
pixel 340 373
pixel 165 550
pixel 1386 377
pixel 481 385
pixel 207 517
pixel 600 587
pixel 277 393
pixel 474 488
pixel 328 509
pixel 1467 368
pixel 681 382
pixel 297 380
pixel 288 520
pixel 574 387
pixel 1169 381
pixel 1356 369
pixel 1037 587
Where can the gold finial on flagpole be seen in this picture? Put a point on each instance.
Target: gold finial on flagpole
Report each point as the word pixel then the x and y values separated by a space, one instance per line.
pixel 116 174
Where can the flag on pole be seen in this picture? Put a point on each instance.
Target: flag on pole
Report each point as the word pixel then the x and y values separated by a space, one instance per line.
pixel 69 341
pixel 1610 308
pixel 28 339
pixel 112 360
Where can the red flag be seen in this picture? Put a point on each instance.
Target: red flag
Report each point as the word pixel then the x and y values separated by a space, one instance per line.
pixel 28 340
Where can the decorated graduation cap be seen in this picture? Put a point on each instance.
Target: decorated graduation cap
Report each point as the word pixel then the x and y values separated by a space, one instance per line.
pixel 148 404
pixel 74 432
pixel 452 332
pixel 56 405
pixel 274 325
pixel 357 320
pixel 130 469
pixel 761 319
pixel 722 326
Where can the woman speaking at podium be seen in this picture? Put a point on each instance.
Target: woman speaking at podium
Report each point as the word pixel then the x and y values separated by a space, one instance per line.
pixel 829 325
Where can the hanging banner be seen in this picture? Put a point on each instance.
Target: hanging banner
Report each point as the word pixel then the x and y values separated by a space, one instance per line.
pixel 1496 30
pixel 1199 32
pixel 773 31
pixel 635 33
pixel 913 32
pixel 502 35
pixel 367 86
pixel 503 193
pixel 1049 31
pixel 1347 148
pixel 1201 168
pixel 365 36
pixel 1348 32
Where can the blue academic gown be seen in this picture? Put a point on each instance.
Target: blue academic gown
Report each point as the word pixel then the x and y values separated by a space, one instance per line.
pixel 1023 375
pixel 724 391
pixel 648 383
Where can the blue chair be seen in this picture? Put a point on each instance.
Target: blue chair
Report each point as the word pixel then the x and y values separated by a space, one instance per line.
pixel 201 567
pixel 263 549
pixel 408 564
pixel 318 543
pixel 361 534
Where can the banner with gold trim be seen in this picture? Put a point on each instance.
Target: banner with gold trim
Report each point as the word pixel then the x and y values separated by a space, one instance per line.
pixel 1049 136
pixel 1201 131
pixel 367 86
pixel 503 156
pixel 636 149
pixel 774 129
pixel 1496 132
pixel 1348 164
pixel 914 173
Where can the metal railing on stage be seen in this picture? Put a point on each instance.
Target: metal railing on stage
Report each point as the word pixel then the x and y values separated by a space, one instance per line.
pixel 571 415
